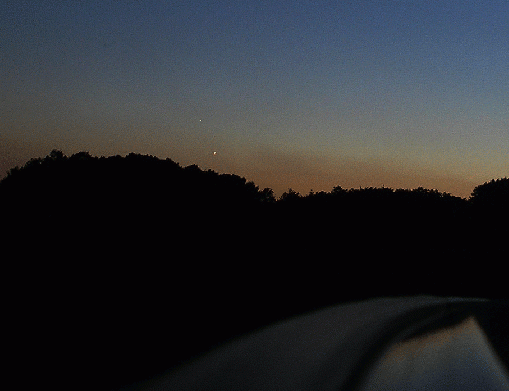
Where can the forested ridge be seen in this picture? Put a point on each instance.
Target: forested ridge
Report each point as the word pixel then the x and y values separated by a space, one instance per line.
pixel 141 195
pixel 148 256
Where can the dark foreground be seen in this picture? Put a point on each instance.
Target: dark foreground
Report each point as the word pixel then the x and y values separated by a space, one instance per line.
pixel 419 342
pixel 116 269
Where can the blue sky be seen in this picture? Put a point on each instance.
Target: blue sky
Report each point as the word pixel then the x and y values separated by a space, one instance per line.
pixel 302 94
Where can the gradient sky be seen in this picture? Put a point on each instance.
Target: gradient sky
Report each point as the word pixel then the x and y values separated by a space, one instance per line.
pixel 301 94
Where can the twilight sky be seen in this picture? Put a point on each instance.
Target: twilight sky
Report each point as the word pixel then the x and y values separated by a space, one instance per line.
pixel 289 93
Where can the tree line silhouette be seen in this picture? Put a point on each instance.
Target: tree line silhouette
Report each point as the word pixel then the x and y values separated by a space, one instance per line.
pixel 149 256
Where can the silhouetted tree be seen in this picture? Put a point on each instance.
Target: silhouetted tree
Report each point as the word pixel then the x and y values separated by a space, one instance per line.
pixel 56 154
pixel 488 219
pixel 290 196
pixel 338 190
pixel 267 196
pixel 492 194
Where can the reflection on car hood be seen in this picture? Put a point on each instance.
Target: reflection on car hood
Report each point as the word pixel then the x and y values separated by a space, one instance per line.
pixel 372 344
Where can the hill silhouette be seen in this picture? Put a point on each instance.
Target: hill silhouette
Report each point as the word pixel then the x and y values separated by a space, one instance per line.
pixel 151 263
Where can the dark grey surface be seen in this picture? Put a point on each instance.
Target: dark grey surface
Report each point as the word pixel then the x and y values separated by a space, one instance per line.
pixel 454 358
pixel 323 350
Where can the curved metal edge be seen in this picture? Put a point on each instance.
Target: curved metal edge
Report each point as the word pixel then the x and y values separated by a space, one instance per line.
pixel 415 322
